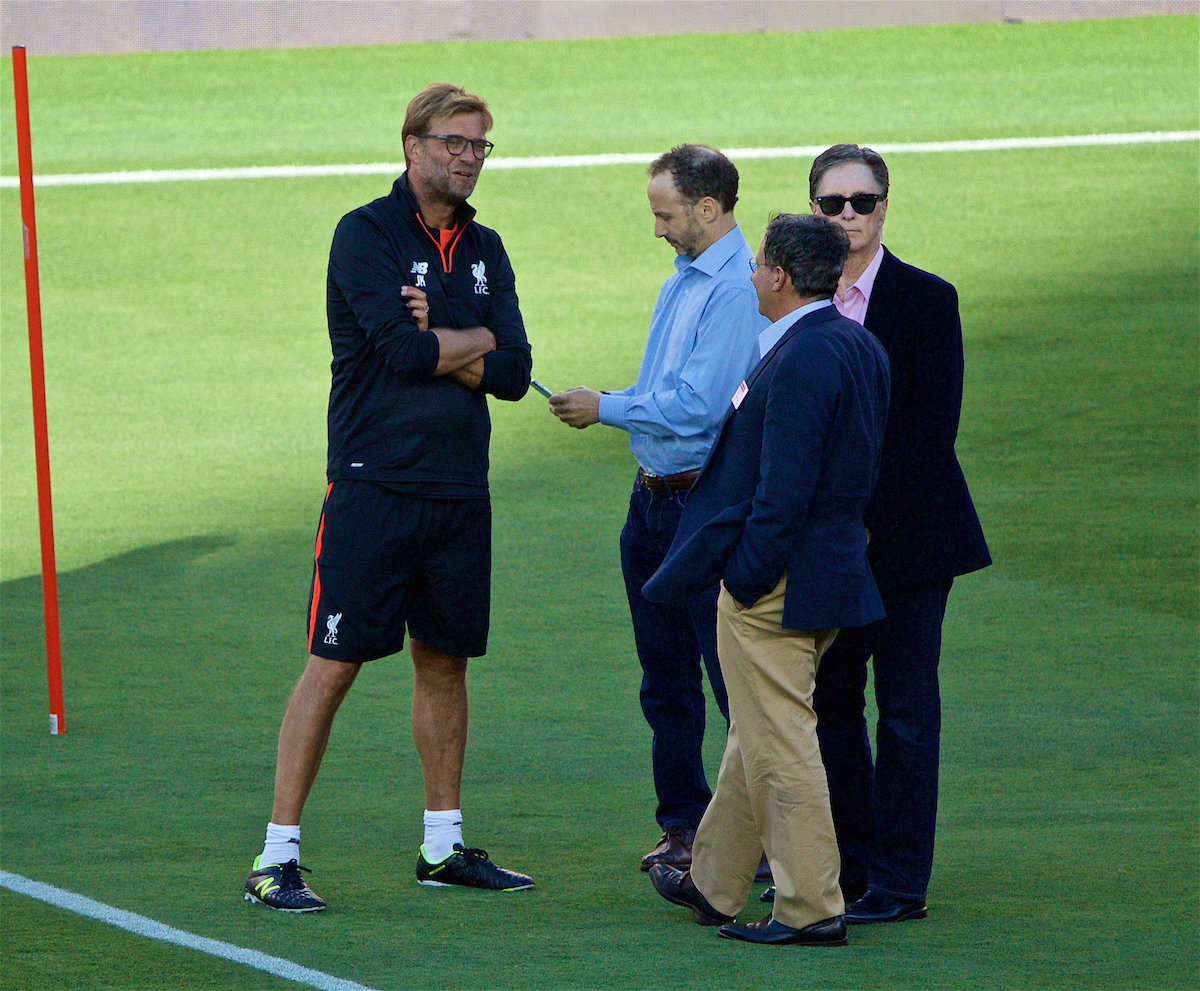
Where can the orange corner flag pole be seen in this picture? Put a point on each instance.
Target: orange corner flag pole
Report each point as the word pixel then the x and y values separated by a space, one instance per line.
pixel 37 374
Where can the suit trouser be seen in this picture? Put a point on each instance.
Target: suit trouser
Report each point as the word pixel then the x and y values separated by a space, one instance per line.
pixel 771 792
pixel 886 814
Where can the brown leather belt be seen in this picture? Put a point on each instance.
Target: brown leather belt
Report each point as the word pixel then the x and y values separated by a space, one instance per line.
pixel 658 484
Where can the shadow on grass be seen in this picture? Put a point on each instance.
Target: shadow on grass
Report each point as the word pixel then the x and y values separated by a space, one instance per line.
pixel 141 618
pixel 178 658
pixel 114 575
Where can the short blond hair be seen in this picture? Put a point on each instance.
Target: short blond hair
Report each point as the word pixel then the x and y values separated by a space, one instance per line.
pixel 441 100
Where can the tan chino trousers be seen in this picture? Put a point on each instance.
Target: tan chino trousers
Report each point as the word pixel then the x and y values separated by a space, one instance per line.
pixel 771 793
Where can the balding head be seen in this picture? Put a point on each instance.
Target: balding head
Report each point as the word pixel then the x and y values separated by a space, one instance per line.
pixel 699 171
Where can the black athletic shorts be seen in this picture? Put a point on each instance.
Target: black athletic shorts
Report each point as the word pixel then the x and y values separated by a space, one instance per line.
pixel 386 560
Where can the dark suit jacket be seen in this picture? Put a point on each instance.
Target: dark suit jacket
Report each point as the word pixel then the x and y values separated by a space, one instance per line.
pixel 923 525
pixel 786 482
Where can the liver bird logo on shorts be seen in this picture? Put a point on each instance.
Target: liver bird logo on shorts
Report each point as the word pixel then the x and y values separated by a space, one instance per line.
pixel 332 624
pixel 481 288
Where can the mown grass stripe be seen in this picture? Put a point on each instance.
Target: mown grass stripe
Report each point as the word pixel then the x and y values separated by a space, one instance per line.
pixel 139 925
pixel 583 161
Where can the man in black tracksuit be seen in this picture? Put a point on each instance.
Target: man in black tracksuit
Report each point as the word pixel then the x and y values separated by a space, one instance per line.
pixel 423 322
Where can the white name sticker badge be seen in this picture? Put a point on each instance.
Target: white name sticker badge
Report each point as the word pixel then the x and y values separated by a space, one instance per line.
pixel 740 395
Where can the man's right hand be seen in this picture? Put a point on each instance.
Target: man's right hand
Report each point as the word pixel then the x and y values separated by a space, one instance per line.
pixel 578 407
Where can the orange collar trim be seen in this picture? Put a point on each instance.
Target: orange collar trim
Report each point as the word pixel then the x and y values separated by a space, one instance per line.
pixel 445 241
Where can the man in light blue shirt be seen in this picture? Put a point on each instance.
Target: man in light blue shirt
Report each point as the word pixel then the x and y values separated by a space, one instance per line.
pixel 703 342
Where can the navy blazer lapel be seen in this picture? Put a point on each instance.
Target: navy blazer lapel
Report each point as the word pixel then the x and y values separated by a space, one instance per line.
pixel 886 295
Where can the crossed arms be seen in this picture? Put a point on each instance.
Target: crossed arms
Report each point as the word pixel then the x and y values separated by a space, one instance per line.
pixel 364 270
pixel 460 352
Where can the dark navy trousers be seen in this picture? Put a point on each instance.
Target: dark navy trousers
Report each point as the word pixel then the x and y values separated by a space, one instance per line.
pixel 672 641
pixel 885 812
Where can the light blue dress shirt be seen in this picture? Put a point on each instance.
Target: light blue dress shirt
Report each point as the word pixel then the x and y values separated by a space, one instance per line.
pixel 770 337
pixel 703 341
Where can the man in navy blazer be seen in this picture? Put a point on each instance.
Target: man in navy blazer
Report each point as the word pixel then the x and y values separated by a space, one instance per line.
pixel 924 532
pixel 776 517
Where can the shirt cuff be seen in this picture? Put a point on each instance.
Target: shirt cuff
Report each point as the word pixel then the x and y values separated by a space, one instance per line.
pixel 614 410
pixel 426 353
pixel 487 381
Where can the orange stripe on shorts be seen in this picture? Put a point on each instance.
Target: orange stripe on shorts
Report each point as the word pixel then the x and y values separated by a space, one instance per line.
pixel 316 589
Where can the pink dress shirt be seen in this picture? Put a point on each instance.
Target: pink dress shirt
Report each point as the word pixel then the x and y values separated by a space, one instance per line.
pixel 858 297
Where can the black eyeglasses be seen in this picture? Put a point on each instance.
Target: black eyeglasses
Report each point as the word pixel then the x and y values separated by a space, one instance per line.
pixel 456 144
pixel 860 203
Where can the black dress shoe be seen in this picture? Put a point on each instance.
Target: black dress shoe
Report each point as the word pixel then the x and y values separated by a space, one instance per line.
pixel 768 895
pixel 875 906
pixel 674 848
pixel 851 895
pixel 828 932
pixel 677 888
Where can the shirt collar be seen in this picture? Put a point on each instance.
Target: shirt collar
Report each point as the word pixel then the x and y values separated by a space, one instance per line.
pixel 716 255
pixel 771 336
pixel 866 282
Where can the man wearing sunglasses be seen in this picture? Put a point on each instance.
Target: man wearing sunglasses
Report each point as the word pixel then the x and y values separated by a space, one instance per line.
pixel 423 323
pixel 924 532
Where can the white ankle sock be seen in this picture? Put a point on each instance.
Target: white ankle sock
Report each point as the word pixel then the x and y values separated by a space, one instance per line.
pixel 282 844
pixel 443 829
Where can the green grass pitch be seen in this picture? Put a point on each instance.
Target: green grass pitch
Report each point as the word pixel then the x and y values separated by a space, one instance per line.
pixel 188 372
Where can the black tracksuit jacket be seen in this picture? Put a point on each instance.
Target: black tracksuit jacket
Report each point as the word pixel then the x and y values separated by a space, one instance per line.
pixel 390 420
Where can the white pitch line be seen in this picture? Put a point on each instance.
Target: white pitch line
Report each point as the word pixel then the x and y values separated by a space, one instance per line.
pixel 581 161
pixel 141 926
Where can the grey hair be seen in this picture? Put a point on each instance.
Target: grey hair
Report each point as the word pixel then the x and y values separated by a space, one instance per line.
pixel 811 250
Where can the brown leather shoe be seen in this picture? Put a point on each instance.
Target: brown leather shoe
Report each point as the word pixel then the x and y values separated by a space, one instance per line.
pixel 674 849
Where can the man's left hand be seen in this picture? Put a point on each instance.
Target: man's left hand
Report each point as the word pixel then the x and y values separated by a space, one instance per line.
pixel 469 375
pixel 577 407
pixel 418 305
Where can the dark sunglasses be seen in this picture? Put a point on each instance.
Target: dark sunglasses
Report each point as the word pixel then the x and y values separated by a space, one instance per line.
pixel 860 203
pixel 456 144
